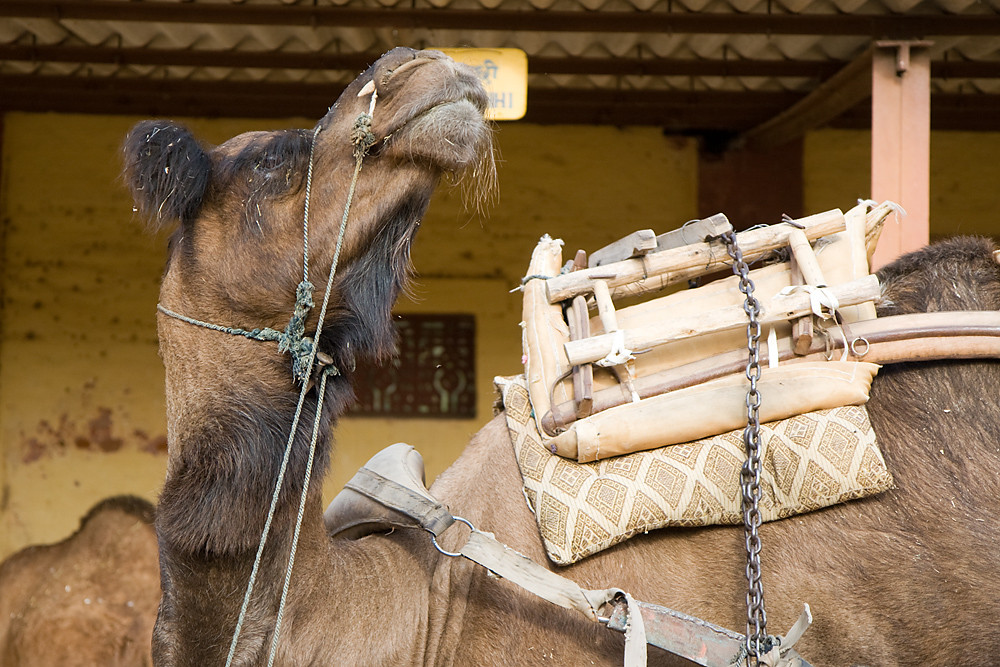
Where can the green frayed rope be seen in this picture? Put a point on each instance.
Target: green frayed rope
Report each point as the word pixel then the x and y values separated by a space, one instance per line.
pixel 292 340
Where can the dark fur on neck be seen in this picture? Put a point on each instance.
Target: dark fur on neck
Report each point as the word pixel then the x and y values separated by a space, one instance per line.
pixel 215 499
pixel 212 501
pixel 362 326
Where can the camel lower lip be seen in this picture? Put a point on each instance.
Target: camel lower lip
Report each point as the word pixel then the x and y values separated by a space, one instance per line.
pixel 445 106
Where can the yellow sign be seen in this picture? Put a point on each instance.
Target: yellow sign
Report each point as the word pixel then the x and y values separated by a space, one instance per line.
pixel 504 73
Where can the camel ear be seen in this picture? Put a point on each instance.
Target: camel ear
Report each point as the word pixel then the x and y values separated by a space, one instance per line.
pixel 167 171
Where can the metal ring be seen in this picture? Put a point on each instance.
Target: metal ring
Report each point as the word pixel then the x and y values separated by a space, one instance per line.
pixel 453 554
pixel 868 346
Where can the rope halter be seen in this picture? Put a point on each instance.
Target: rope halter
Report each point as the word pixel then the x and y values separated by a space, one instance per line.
pixel 293 340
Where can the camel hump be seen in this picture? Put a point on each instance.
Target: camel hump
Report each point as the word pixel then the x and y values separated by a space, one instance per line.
pixel 395 476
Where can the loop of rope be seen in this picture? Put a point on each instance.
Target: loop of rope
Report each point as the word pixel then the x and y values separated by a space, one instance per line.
pixel 305 213
pixel 527 279
pixel 619 354
pixel 292 340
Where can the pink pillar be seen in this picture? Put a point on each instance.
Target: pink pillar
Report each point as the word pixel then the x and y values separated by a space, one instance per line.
pixel 901 132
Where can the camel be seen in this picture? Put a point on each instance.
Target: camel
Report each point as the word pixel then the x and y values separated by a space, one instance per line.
pixel 88 600
pixel 904 578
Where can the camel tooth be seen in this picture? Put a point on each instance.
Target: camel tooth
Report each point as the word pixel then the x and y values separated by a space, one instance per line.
pixel 368 89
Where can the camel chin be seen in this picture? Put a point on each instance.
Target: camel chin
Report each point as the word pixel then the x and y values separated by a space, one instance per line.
pixel 451 136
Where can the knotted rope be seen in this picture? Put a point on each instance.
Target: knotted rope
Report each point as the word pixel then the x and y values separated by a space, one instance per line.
pixel 363 139
pixel 292 340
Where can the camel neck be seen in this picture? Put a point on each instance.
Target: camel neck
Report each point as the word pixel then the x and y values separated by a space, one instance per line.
pixel 227 440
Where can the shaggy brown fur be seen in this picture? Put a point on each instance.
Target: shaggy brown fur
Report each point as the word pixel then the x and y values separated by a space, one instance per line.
pixel 906 578
pixel 88 600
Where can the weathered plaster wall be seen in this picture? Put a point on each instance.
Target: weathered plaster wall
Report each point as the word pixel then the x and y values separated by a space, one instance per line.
pixel 81 386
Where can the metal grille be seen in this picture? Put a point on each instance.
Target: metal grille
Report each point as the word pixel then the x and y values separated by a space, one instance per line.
pixel 433 376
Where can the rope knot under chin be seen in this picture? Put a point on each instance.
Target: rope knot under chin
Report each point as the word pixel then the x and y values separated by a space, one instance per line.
pixel 293 340
pixel 362 136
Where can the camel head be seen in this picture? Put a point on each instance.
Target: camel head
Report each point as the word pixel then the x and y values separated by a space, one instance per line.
pixel 236 257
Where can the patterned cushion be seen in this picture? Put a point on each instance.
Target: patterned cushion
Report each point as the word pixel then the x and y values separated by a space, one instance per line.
pixel 809 462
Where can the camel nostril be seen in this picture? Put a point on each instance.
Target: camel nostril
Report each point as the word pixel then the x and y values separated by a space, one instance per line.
pixel 417 60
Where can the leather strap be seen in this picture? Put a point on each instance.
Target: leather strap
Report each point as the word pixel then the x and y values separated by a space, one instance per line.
pixel 389 491
pixel 431 515
pixel 500 559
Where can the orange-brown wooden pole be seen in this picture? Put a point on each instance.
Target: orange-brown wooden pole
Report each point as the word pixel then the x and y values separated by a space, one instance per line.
pixel 901 112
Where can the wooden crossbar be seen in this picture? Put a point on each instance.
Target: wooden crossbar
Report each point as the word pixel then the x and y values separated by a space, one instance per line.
pixel 893 339
pixel 778 308
pixel 657 270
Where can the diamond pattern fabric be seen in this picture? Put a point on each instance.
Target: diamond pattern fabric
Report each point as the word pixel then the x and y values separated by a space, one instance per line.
pixel 809 462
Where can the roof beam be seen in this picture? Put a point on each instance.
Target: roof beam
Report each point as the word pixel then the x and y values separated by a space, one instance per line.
pixel 676 110
pixel 356 62
pixel 359 61
pixel 841 92
pixel 98 55
pixel 689 112
pixel 883 26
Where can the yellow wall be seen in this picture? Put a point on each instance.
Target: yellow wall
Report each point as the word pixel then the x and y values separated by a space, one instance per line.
pixel 81 386
pixel 964 175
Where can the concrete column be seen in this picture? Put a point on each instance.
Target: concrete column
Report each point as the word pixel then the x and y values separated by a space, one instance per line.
pixel 901 104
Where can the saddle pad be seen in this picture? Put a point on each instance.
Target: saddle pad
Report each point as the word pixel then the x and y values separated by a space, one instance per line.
pixel 809 462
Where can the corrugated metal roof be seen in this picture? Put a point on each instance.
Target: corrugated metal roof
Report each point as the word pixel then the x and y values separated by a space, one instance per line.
pixel 683 51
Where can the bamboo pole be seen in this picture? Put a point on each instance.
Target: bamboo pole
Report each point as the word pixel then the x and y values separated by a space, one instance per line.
pixel 777 308
pixel 808 265
pixel 605 306
pixel 859 220
pixel 802 327
pixel 875 222
pixel 657 270
pixel 544 328
pixel 939 333
pixel 578 318
pixel 804 267
pixel 609 320
pixel 716 407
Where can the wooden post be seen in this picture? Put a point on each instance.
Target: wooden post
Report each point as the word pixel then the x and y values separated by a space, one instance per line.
pixel 901 101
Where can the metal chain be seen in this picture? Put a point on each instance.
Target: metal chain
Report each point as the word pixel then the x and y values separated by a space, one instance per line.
pixel 757 641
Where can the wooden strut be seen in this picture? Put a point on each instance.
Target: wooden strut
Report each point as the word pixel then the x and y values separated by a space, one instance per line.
pixel 805 270
pixel 892 339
